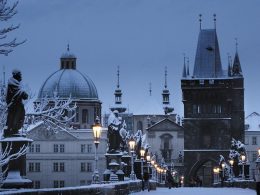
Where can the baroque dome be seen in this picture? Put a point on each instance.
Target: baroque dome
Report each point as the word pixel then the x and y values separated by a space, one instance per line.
pixel 68 82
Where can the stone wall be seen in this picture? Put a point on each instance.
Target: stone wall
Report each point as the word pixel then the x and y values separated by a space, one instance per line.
pixel 119 188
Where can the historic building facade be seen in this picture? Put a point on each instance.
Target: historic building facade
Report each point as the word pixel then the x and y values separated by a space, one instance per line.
pixel 213 101
pixel 252 139
pixel 65 157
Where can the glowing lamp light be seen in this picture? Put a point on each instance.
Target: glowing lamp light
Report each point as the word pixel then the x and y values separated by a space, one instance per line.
pixel 142 151
pixel 132 144
pixel 97 129
pixel 231 162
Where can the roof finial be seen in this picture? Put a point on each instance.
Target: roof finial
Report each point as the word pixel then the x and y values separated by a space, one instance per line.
pixel 68 47
pixel 165 75
pixel 150 89
pixel 200 15
pixel 215 25
pixel 118 74
pixel 236 44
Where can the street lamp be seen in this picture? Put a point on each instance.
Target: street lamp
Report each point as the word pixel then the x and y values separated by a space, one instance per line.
pixel 231 162
pixel 142 152
pixel 223 171
pixel 243 160
pixel 216 174
pixel 148 159
pixel 96 134
pixel 132 148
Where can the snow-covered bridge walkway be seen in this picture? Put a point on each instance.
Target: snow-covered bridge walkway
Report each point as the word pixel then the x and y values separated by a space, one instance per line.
pixel 198 191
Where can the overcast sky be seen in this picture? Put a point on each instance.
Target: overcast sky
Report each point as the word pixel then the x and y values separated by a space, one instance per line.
pixel 141 36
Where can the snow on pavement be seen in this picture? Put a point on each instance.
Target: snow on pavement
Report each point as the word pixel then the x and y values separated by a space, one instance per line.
pixel 198 191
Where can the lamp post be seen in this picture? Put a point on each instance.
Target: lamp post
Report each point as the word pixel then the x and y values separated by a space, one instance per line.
pixel 132 147
pixel 148 159
pixel 243 159
pixel 216 173
pixel 142 151
pixel 223 173
pixel 152 163
pixel 231 162
pixel 156 171
pixel 96 134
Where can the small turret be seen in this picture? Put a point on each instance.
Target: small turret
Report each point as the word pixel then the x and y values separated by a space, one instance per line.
pixel 166 96
pixel 236 70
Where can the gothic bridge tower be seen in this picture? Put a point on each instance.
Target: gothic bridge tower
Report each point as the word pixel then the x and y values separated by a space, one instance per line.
pixel 213 101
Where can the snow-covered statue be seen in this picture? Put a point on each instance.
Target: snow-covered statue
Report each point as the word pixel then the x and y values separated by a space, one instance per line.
pixel 15 108
pixel 138 140
pixel 125 136
pixel 114 138
pixel 237 149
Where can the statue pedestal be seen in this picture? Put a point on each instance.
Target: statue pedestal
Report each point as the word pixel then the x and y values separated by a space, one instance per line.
pixel 114 165
pixel 16 172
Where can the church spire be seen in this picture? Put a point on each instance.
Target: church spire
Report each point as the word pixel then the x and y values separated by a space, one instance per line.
pixel 118 95
pixel 166 95
pixel 200 15
pixel 188 67
pixel 236 69
pixel 184 73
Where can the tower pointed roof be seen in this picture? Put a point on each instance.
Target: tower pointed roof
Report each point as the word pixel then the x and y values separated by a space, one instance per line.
pixel 207 60
pixel 236 70
pixel 184 72
pixel 118 96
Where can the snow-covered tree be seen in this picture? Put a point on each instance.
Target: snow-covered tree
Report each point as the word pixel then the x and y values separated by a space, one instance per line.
pixel 6 156
pixel 7 12
pixel 54 113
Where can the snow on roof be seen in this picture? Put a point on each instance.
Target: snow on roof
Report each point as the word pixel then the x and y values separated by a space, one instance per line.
pixel 252 122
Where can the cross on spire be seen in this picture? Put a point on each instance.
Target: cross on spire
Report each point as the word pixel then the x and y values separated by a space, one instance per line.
pixel 150 89
pixel 236 42
pixel 214 18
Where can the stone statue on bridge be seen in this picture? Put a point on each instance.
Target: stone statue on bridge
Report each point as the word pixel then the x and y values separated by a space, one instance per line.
pixel 15 108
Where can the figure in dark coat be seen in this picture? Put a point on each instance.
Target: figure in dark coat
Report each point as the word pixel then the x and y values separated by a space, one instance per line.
pixel 169 179
pixel 15 108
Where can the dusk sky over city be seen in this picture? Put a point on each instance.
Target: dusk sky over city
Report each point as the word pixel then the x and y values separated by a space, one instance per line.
pixel 140 36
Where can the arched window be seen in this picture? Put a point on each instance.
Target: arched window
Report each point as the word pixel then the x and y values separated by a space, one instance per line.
pixel 84 117
pixel 140 125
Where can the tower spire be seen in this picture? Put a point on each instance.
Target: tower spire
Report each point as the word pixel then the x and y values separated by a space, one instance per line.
pixel 215 23
pixel 165 77
pixel 184 73
pixel 118 74
pixel 118 95
pixel 200 15
pixel 236 42
pixel 188 67
pixel 68 47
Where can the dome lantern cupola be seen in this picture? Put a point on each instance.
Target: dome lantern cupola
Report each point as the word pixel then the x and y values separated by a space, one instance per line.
pixel 68 60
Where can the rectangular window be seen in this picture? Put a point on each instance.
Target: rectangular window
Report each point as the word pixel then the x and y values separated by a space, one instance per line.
pixel 254 156
pixel 246 140
pixel 62 148
pixel 82 182
pixel 55 184
pixel 31 167
pixel 89 148
pixel 36 184
pixel 82 167
pixel 83 148
pixel 37 167
pixel 31 148
pixel 89 167
pixel 62 184
pixel 254 140
pixel 56 167
pixel 37 148
pixel 56 148
pixel 84 116
pixel 62 167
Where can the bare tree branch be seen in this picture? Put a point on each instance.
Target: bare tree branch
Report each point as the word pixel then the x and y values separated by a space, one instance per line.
pixel 6 13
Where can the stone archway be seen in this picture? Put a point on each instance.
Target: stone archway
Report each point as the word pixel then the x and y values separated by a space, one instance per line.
pixel 202 171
